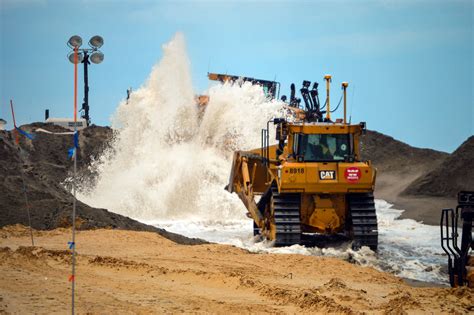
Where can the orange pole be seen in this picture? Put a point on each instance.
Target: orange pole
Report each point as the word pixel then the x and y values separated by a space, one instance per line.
pixel 76 59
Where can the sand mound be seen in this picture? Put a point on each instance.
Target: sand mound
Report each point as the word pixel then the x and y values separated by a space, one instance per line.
pixel 454 174
pixel 420 181
pixel 392 156
pixel 45 167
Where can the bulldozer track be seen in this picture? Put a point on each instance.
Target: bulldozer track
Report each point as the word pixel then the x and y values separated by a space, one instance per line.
pixel 286 214
pixel 364 220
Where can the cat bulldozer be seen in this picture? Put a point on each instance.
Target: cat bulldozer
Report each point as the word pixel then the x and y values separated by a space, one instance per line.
pixel 313 181
pixel 460 258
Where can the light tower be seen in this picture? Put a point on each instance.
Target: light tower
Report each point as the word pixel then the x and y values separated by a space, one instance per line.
pixel 84 55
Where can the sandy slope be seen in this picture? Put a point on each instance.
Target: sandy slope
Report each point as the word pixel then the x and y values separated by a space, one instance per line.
pixel 398 165
pixel 454 174
pixel 141 272
pixel 426 209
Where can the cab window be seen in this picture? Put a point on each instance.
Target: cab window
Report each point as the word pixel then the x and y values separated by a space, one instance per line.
pixel 323 147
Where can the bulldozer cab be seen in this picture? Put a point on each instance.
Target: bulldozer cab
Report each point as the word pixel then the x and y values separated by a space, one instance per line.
pixel 321 147
pixel 317 142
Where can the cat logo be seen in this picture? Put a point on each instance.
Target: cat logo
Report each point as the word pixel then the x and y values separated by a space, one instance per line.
pixel 325 175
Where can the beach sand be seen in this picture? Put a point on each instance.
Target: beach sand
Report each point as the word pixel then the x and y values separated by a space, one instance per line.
pixel 142 272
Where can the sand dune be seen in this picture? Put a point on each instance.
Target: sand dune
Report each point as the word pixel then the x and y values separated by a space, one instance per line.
pixel 450 177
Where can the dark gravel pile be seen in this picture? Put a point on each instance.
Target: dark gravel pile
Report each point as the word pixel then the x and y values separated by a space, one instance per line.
pixel 390 155
pixel 45 165
pixel 456 173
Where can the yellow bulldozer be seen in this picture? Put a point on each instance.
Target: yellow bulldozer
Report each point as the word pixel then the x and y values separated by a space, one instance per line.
pixel 313 182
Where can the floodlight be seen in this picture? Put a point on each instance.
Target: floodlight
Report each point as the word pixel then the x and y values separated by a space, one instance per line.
pixel 97 57
pixel 75 41
pixel 96 41
pixel 83 56
pixel 80 57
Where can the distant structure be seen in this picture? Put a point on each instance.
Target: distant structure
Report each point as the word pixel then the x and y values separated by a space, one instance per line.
pixel 129 92
pixel 3 123
pixel 67 123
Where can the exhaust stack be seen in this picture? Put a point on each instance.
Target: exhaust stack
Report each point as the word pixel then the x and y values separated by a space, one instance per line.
pixel 344 87
pixel 327 77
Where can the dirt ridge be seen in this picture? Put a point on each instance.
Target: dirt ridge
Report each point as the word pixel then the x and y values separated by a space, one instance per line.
pixel 44 165
pixel 454 174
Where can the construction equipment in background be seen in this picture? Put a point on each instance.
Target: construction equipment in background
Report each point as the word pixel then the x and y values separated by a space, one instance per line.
pixel 460 259
pixel 313 182
pixel 270 88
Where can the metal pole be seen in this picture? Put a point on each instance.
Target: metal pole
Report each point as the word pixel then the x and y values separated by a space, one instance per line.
pixel 74 225
pixel 327 77
pixel 344 87
pixel 85 105
pixel 73 245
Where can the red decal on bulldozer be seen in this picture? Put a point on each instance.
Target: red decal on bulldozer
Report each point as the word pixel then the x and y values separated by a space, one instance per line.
pixel 353 174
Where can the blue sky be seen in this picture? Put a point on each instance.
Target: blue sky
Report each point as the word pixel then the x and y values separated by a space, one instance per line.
pixel 409 63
